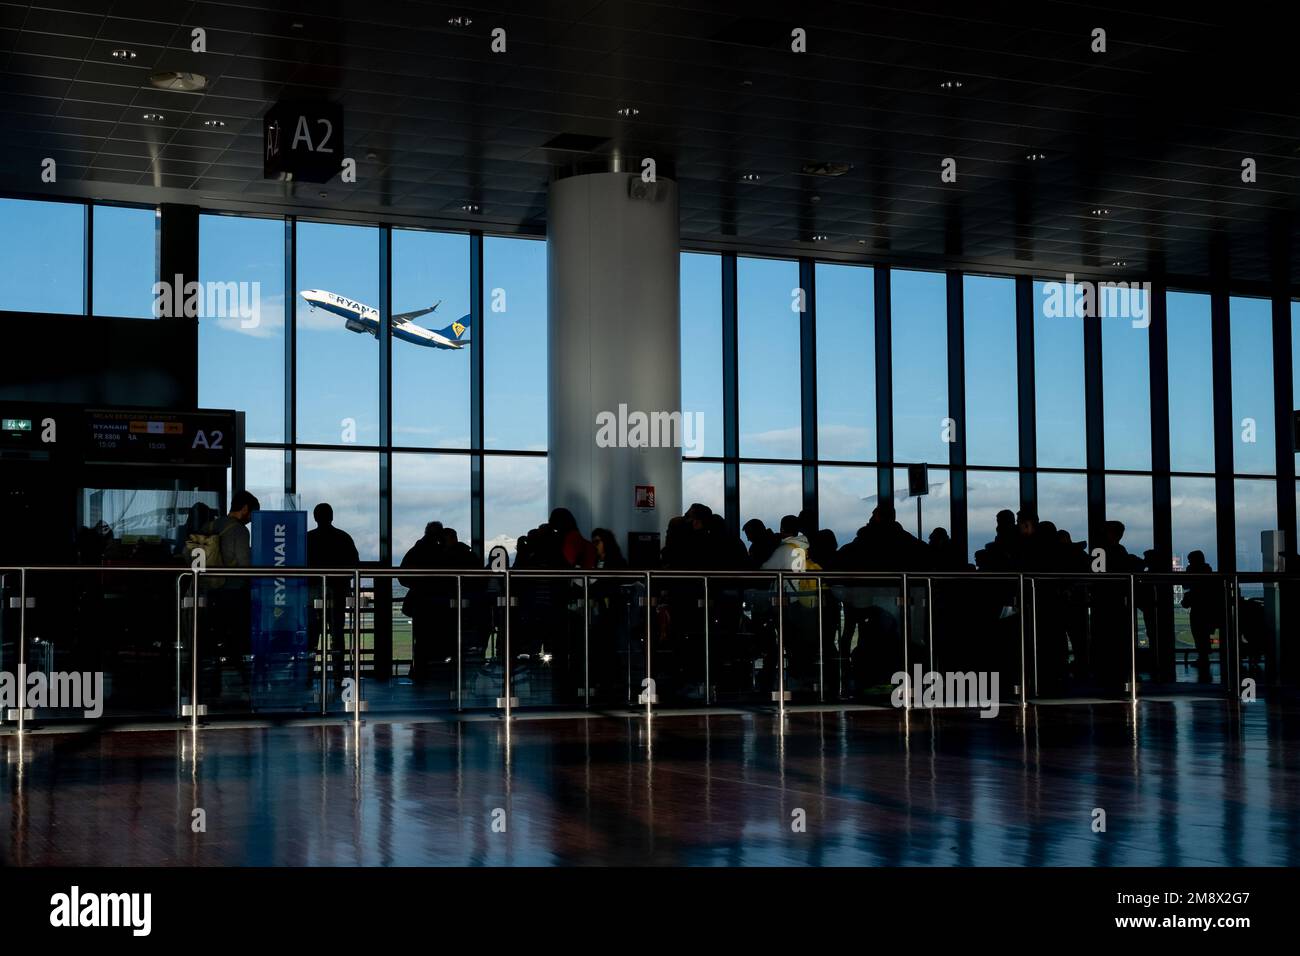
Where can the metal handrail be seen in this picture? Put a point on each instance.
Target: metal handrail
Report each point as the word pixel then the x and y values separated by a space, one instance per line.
pixel 823 577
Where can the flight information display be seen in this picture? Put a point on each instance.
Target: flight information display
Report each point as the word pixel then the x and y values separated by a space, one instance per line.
pixel 159 437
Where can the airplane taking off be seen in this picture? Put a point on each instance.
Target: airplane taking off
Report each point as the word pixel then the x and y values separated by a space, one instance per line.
pixel 361 318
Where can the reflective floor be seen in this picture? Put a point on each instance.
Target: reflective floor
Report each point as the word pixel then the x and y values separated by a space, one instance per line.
pixel 1184 782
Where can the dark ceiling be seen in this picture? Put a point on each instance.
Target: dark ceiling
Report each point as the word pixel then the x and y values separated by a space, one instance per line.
pixel 1154 130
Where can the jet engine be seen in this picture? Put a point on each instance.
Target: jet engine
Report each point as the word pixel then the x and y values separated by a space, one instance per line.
pixel 355 325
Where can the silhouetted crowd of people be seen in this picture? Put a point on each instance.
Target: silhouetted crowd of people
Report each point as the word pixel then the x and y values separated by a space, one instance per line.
pixel 1081 629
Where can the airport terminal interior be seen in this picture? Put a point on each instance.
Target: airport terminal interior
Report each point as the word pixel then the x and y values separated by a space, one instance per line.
pixel 647 423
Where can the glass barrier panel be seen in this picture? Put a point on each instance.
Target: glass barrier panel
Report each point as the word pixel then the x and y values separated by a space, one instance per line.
pixel 259 643
pixel 546 641
pixel 483 615
pixel 10 627
pixel 742 640
pixel 409 652
pixel 975 629
pixel 869 644
pixel 1259 621
pixel 678 655
pixel 616 640
pixel 103 640
pixel 802 624
pixel 1182 620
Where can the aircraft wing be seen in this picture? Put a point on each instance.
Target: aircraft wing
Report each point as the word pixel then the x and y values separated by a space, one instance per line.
pixel 400 317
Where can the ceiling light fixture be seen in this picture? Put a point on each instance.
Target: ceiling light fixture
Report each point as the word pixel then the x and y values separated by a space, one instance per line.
pixel 950 85
pixel 459 21
pixel 179 81
pixel 820 237
pixel 1120 264
pixel 215 124
pixel 750 177
pixel 123 54
pixel 1035 157
pixel 1099 212
pixel 469 207
pixel 628 111
pixel 152 117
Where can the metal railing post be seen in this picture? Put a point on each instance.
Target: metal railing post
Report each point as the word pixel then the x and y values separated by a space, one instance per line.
pixel 1235 687
pixel 650 684
pixel 1133 627
pixel 586 643
pixel 780 642
pixel 1023 690
pixel 821 647
pixel 1033 627
pixel 708 680
pixel 356 643
pixel 324 644
pixel 906 602
pixel 194 658
pixel 460 648
pixel 178 645
pixel 929 616
pixel 22 649
pixel 507 668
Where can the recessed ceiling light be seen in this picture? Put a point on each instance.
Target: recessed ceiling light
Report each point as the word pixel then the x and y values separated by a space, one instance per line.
pixel 628 111
pixel 469 207
pixel 1099 212
pixel 179 81
pixel 123 54
pixel 1120 264
pixel 862 242
pixel 820 237
pixel 323 194
pixel 372 155
pixel 152 117
pixel 459 21
pixel 750 178
pixel 214 124
pixel 950 85
pixel 1035 157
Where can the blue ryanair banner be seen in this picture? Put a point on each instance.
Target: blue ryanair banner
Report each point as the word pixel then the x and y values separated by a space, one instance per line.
pixel 280 605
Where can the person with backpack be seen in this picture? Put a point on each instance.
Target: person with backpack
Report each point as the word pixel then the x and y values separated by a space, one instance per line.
pixel 226 543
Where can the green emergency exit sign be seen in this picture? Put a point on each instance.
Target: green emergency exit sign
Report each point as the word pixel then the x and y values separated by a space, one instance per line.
pixel 17 425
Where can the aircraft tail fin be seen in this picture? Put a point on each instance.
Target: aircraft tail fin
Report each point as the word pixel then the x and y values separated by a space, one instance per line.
pixel 457 330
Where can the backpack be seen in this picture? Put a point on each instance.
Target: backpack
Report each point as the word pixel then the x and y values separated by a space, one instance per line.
pixel 210 545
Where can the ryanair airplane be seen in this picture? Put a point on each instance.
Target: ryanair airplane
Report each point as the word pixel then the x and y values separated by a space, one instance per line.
pixel 361 318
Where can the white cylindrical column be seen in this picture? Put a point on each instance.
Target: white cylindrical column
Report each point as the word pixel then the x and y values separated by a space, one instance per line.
pixel 614 351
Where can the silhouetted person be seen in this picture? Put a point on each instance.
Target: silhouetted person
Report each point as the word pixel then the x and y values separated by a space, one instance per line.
pixel 609 625
pixel 331 547
pixel 230 598
pixel 1204 601
pixel 791 552
pixel 575 549
pixel 432 641
pixel 762 541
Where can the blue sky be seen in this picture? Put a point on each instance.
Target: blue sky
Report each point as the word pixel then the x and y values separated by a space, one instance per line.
pixel 338 376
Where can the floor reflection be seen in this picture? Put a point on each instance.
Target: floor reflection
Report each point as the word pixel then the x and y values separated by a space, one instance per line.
pixel 1182 782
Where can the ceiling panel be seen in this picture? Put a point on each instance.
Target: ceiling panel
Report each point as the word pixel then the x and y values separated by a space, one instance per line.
pixel 1154 129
